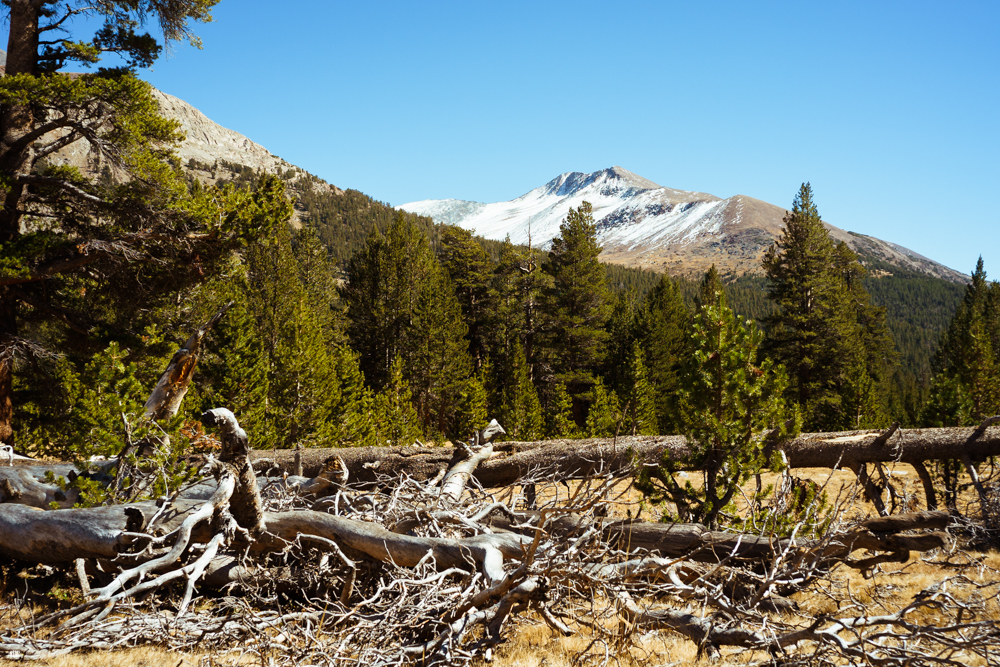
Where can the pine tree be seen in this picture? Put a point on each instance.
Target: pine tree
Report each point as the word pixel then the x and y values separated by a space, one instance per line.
pixel 513 330
pixel 304 386
pixel 110 397
pixel 472 413
pixel 729 401
pixel 302 383
pixel 520 410
pixel 834 343
pixel 120 242
pixel 624 329
pixel 663 325
pixel 640 402
pixel 401 303
pixel 560 422
pixel 604 417
pixel 236 372
pixel 577 307
pixel 710 291
pixel 319 278
pixel 351 415
pixel 395 420
pixel 471 274
pixel 439 365
pixel 385 280
pixel 872 359
pixel 965 388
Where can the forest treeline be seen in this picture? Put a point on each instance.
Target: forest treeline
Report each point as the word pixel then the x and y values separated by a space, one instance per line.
pixel 415 331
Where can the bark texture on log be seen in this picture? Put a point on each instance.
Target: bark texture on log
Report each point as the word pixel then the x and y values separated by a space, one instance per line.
pixel 696 542
pixel 568 459
pixel 246 505
pixel 59 536
pixel 371 539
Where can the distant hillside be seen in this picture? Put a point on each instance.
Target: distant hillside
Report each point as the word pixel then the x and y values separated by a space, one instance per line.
pixel 918 307
pixel 642 224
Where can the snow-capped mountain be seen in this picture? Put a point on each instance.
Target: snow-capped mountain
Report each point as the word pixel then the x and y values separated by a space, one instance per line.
pixel 640 223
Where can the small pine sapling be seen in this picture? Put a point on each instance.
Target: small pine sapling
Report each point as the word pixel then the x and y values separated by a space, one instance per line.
pixel 730 405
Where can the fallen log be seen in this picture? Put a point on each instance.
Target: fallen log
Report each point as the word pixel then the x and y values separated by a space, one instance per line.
pixel 695 542
pixel 60 536
pixel 575 459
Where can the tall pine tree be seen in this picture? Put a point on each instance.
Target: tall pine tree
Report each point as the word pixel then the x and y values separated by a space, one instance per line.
pixel 833 342
pixel 520 410
pixel 663 327
pixel 401 304
pixel 965 388
pixel 471 274
pixel 385 280
pixel 577 307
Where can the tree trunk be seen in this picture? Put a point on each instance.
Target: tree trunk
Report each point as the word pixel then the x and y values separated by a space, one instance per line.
pixel 17 120
pixel 165 400
pixel 15 123
pixel 8 333
pixel 245 504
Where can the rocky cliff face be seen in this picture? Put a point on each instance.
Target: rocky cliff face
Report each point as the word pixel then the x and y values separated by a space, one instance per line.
pixel 209 152
pixel 208 142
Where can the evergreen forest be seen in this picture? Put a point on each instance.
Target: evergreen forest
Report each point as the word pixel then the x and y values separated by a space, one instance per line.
pixel 361 325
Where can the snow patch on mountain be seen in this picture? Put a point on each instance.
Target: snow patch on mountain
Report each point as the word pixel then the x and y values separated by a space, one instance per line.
pixel 629 210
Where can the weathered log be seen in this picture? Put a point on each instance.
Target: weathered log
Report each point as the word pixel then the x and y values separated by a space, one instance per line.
pixel 486 552
pixel 696 542
pixel 61 536
pixel 245 505
pixel 571 459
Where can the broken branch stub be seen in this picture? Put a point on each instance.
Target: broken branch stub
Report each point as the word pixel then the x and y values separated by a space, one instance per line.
pixel 245 505
pixel 165 399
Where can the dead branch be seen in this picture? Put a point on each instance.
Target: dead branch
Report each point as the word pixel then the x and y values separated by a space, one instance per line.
pixel 166 398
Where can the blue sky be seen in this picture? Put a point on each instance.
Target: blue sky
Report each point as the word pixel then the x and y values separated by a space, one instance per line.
pixel 889 109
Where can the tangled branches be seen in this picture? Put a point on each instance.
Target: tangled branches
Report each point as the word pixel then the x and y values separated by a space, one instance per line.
pixel 442 572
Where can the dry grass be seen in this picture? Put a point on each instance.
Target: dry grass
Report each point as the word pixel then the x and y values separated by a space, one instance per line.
pixel 145 656
pixel 891 586
pixel 537 646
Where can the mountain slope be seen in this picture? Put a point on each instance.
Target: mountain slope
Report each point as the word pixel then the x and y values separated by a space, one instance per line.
pixel 643 224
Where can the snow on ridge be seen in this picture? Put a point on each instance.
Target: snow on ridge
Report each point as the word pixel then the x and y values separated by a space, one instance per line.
pixel 628 209
pixel 634 214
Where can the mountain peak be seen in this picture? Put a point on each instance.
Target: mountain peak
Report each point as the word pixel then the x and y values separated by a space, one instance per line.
pixel 608 181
